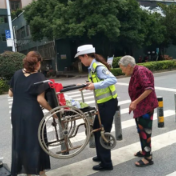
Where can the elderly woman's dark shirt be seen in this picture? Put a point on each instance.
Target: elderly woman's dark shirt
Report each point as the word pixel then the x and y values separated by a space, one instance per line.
pixel 142 79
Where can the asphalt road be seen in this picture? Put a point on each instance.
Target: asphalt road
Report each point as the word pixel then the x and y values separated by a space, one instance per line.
pixel 163 141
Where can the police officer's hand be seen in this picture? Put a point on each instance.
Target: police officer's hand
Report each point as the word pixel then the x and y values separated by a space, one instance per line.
pixel 81 88
pixel 90 86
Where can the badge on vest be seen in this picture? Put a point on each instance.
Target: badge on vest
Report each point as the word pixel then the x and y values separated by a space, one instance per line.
pixel 105 71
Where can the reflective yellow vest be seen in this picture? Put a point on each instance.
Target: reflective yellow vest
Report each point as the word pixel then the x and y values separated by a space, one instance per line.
pixel 105 94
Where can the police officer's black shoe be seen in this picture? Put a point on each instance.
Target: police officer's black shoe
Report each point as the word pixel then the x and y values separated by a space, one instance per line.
pixel 101 168
pixel 96 159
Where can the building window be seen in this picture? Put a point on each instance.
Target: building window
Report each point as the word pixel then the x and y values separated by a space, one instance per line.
pixel 2 37
pixel 3 19
pixel 21 33
pixel 14 5
pixel 27 30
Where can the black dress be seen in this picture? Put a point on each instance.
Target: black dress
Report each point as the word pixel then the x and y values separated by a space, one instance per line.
pixel 27 155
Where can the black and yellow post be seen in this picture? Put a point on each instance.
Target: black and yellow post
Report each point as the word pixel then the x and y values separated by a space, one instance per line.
pixel 160 112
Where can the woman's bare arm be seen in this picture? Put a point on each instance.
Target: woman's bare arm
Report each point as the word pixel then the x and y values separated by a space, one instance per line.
pixel 42 101
pixel 10 93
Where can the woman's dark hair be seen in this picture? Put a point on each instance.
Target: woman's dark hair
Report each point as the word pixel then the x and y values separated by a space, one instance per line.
pixel 99 58
pixel 31 60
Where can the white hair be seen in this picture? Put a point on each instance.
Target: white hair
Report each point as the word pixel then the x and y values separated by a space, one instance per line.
pixel 127 60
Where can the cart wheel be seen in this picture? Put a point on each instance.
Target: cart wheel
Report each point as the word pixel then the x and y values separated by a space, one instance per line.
pixel 111 141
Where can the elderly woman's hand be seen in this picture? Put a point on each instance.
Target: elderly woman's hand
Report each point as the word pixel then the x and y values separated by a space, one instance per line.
pixel 132 106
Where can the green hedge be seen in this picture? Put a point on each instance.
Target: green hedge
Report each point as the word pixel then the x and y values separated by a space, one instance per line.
pixel 153 66
pixel 9 63
pixel 116 71
pixel 115 62
pixel 160 65
pixel 3 86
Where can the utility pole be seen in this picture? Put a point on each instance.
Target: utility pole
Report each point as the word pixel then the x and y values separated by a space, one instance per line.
pixel 10 24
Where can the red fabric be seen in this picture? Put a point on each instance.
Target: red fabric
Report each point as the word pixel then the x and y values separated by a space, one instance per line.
pixel 142 79
pixel 58 87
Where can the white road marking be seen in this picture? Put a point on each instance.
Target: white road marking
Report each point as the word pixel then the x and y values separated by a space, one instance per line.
pixel 124 102
pixel 119 156
pixel 172 174
pixel 156 88
pixel 119 103
pixel 93 102
pixel 85 98
pixel 85 94
pixel 77 92
pixel 166 89
pixel 125 124
pixel 90 102
pixel 124 111
pixel 123 84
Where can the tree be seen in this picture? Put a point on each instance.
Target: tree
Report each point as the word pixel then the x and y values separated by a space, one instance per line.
pixel 15 13
pixel 37 17
pixel 138 27
pixel 120 23
pixel 169 21
pixel 154 29
pixel 131 31
pixel 72 19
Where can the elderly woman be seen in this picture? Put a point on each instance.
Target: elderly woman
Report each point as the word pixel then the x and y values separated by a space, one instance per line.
pixel 143 102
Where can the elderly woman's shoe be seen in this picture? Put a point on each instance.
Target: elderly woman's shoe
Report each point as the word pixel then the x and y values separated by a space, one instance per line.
pixel 139 154
pixel 141 163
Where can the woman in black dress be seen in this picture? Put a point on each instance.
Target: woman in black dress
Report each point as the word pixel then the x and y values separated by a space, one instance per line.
pixel 27 155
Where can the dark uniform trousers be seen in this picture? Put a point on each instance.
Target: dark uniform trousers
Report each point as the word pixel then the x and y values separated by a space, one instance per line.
pixel 107 111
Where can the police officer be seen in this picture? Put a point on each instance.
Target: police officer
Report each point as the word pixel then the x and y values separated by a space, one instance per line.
pixel 102 80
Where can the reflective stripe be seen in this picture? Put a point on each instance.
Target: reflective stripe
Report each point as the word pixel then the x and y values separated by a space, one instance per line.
pixel 106 95
pixel 104 100
pixel 114 93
